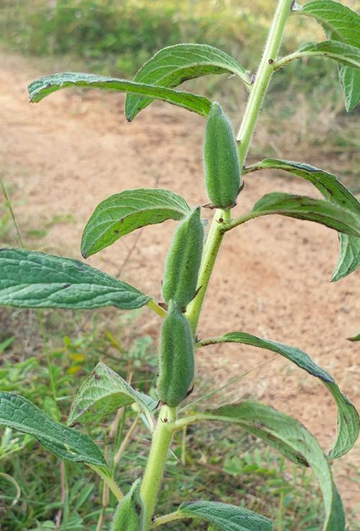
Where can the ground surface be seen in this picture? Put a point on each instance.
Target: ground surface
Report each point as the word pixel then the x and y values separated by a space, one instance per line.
pixel 74 149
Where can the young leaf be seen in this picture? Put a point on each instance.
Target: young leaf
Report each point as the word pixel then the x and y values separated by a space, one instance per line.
pixel 306 208
pixel 348 424
pixel 339 51
pixel 44 86
pixel 173 65
pixel 225 517
pixel 103 392
pixel 291 439
pixel 37 280
pixel 123 213
pixel 341 24
pixel 21 415
pixel 332 189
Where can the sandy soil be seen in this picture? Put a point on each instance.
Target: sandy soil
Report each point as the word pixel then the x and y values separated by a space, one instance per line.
pixel 75 148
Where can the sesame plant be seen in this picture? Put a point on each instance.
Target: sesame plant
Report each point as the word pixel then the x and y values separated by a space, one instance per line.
pixel 36 280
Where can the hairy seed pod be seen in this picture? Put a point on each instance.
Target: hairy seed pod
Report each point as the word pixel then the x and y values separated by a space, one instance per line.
pixel 183 261
pixel 176 357
pixel 129 512
pixel 222 170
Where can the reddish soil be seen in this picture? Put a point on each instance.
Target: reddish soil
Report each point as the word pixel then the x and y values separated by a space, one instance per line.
pixel 75 148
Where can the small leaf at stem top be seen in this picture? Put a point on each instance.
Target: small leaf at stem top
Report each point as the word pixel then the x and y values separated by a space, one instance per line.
pixel 29 279
pixel 225 516
pixel 40 88
pixel 123 213
pixel 173 65
pixel 21 415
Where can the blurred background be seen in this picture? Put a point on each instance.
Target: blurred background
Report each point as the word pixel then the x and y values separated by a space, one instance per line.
pixel 116 37
pixel 59 159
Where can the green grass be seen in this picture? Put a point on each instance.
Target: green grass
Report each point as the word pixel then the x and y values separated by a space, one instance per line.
pixel 208 462
pixel 212 462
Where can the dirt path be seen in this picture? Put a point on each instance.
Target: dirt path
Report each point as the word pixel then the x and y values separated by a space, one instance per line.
pixel 272 278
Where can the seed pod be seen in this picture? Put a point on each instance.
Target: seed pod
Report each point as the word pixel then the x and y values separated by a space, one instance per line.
pixel 183 261
pixel 176 358
pixel 129 512
pixel 222 170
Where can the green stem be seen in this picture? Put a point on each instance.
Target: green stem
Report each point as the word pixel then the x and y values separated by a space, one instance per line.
pixel 164 431
pixel 156 462
pixel 263 76
pixel 212 246
pixel 165 519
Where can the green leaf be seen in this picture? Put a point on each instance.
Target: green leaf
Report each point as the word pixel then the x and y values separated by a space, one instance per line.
pixel 125 212
pixel 348 424
pixel 307 208
pixel 37 280
pixel 350 84
pixel 327 184
pixel 341 24
pixel 21 415
pixel 349 257
pixel 103 392
pixel 173 65
pixel 355 338
pixel 291 439
pixel 225 517
pixel 337 19
pixel 332 189
pixel 44 86
pixel 340 52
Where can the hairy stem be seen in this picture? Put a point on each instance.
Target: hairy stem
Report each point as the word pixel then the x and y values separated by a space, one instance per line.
pixel 221 222
pixel 212 246
pixel 263 76
pixel 156 462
